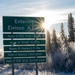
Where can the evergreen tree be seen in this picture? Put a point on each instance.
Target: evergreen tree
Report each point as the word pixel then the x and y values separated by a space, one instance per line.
pixel 54 36
pixel 54 40
pixel 48 42
pixel 62 35
pixel 71 27
pixel 65 51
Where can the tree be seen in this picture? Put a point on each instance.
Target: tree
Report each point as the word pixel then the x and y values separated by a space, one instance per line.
pixel 54 36
pixel 65 51
pixel 54 41
pixel 71 27
pixel 48 42
pixel 62 35
pixel 63 38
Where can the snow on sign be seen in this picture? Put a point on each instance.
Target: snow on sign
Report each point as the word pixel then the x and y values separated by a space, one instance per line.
pixel 5 36
pixel 24 48
pixel 23 42
pixel 24 54
pixel 25 60
pixel 24 38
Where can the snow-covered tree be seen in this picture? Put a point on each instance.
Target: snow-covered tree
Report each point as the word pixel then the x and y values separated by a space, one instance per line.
pixel 54 41
pixel 62 34
pixel 63 42
pixel 48 42
pixel 65 51
pixel 71 27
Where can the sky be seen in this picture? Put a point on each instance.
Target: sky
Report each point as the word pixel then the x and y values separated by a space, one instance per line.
pixel 54 11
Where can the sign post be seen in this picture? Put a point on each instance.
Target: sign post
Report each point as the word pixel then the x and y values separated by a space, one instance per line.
pixel 25 45
pixel 12 58
pixel 36 57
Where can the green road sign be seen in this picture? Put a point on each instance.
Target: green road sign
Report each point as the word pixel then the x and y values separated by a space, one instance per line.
pixel 23 48
pixel 23 36
pixel 24 54
pixel 23 42
pixel 24 60
pixel 23 24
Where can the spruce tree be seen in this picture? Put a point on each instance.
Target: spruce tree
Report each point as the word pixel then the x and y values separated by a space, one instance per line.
pixel 62 35
pixel 54 40
pixel 48 42
pixel 64 48
pixel 71 27
pixel 54 36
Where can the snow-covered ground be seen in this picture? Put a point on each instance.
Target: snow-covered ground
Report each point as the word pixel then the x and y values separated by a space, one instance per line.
pixel 7 70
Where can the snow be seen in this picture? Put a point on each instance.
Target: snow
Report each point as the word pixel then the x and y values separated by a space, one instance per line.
pixel 7 70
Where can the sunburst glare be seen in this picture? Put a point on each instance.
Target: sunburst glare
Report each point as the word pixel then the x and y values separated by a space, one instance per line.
pixel 51 18
pixel 38 24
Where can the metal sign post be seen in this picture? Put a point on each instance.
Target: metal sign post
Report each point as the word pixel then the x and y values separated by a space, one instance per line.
pixel 36 57
pixel 36 68
pixel 12 58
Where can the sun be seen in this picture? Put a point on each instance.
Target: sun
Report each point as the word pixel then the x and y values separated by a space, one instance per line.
pixel 51 18
pixel 48 16
pixel 45 26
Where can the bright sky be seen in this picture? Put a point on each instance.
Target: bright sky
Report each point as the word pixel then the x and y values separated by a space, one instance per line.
pixel 54 11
